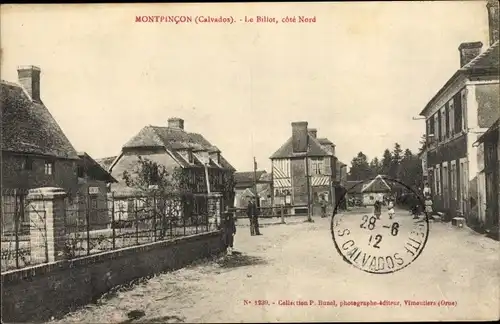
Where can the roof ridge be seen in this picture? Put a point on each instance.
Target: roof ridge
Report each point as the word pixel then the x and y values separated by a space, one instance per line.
pixel 153 128
pixel 480 56
pixel 282 146
pixel 175 129
pixel 10 83
pixel 320 145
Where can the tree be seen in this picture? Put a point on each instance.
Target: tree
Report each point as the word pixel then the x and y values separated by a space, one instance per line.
pixel 423 143
pixel 360 169
pixel 405 168
pixel 386 162
pixel 375 167
pixel 394 169
pixel 156 187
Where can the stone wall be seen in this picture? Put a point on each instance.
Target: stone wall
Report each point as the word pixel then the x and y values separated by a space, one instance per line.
pixel 38 293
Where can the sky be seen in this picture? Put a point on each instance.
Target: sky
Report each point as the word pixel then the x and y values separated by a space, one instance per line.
pixel 359 74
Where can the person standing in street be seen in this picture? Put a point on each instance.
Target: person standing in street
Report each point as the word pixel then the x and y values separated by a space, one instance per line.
pixel 228 230
pixel 391 209
pixel 250 212
pixel 377 209
pixel 323 206
pixel 253 214
pixel 428 200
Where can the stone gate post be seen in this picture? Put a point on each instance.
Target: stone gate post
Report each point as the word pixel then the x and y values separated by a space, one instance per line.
pixel 214 207
pixel 46 207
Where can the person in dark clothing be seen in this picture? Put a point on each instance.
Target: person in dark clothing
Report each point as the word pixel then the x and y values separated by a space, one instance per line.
pixel 228 227
pixel 253 215
pixel 377 209
pixel 250 212
pixel 323 206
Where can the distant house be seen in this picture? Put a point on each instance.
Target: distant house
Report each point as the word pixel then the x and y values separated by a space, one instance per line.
pixel 461 110
pixel 489 178
pixel 375 190
pixel 35 151
pixel 354 189
pixel 106 162
pixel 93 182
pixel 289 169
pixel 203 167
pixel 244 188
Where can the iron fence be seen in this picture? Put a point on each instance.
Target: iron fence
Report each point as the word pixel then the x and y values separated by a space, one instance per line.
pixel 95 224
pixel 276 211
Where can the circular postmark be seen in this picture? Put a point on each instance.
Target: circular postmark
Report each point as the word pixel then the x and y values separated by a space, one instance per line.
pixel 379 240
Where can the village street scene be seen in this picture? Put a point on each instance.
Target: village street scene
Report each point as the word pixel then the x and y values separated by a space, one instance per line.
pixel 305 170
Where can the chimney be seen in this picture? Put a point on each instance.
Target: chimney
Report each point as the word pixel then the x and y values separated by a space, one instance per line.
pixel 468 51
pixel 177 123
pixel 300 140
pixel 29 78
pixel 313 132
pixel 493 20
pixel 332 148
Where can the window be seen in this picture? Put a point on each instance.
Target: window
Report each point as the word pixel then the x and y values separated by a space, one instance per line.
pixel 49 168
pixel 80 171
pixel 190 156
pixel 447 121
pixel 453 176
pixel 437 127
pixel 316 165
pixel 27 163
pixel 464 109
pixel 451 117
pixel 430 126
pixel 445 184
pixel 442 131
pixel 438 179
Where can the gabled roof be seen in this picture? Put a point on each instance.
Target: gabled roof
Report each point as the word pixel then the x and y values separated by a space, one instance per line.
pixel 491 133
pixel 175 140
pixel 248 177
pixel 106 162
pixel 487 59
pixel 324 141
pixel 486 62
pixel 286 150
pixel 28 127
pixel 95 169
pixel 378 184
pixel 354 187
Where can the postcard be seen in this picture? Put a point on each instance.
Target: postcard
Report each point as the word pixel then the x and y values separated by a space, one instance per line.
pixel 250 162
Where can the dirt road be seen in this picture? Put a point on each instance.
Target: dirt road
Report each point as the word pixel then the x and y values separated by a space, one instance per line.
pixel 290 266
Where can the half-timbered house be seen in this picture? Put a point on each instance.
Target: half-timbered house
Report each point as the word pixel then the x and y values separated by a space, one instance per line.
pixel 303 164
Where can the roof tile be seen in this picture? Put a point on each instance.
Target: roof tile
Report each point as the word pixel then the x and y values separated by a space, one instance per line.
pixel 28 127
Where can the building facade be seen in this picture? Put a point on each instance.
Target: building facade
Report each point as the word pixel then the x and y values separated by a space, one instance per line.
pixel 245 183
pixel 375 190
pixel 464 108
pixel 35 151
pixel 303 165
pixel 202 167
pixel 489 179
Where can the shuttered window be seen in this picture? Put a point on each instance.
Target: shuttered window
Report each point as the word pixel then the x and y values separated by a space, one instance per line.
pixel 451 117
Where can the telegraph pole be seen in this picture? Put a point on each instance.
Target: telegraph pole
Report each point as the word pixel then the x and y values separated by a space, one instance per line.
pixel 309 219
pixel 255 179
